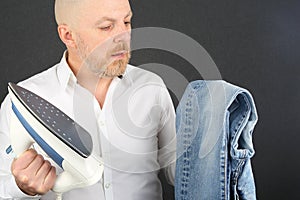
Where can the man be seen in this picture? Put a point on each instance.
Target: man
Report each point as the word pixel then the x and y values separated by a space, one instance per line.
pixel 132 110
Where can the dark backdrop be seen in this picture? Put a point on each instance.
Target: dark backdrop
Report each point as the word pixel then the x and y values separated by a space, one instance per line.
pixel 255 44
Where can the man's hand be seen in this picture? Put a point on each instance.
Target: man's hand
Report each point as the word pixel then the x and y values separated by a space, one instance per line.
pixel 32 173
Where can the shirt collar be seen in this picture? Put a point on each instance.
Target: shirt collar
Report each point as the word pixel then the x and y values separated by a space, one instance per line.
pixel 64 72
pixel 67 78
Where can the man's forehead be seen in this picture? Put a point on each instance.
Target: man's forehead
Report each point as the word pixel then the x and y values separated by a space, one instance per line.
pixel 109 10
pixel 109 18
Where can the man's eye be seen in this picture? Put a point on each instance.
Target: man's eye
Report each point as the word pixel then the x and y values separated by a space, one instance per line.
pixel 106 28
pixel 127 23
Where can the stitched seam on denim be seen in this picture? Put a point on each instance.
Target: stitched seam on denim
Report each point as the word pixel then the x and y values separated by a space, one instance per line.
pixel 241 121
pixel 224 166
pixel 236 172
pixel 243 115
pixel 241 162
pixel 187 145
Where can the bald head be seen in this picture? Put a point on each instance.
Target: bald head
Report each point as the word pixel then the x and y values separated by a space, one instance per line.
pixel 87 26
pixel 66 11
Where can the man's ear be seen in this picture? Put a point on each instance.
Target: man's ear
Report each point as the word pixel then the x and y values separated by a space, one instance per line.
pixel 66 35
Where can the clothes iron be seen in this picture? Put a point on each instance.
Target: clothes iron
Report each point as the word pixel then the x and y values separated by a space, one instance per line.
pixel 35 120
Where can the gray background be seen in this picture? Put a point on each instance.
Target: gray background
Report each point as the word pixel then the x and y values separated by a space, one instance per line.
pixel 255 44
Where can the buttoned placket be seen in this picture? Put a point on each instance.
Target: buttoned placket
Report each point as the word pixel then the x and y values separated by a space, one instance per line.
pixel 104 149
pixel 105 143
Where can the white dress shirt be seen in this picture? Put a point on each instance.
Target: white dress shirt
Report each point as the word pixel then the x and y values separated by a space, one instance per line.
pixel 133 133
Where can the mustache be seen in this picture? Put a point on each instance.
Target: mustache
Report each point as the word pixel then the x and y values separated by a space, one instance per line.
pixel 120 47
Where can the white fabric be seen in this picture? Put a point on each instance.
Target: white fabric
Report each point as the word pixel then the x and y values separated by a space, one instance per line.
pixel 134 132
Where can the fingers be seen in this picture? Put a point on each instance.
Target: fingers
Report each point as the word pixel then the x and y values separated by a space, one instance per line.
pixel 33 174
pixel 36 164
pixel 50 179
pixel 43 170
pixel 24 159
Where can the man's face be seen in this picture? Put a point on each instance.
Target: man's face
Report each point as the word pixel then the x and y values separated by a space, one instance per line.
pixel 103 36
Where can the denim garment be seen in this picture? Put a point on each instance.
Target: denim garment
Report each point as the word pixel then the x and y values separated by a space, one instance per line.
pixel 214 122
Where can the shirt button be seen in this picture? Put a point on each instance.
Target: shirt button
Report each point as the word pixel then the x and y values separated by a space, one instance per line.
pixel 107 185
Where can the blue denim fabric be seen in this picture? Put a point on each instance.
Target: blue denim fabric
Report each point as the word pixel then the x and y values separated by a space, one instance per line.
pixel 214 122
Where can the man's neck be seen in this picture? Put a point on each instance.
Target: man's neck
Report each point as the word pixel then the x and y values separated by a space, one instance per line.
pixel 97 86
pixel 101 90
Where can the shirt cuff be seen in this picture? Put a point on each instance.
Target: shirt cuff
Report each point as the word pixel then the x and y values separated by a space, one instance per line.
pixel 15 191
pixel 170 173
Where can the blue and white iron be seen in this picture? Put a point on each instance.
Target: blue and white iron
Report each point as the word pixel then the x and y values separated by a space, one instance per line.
pixel 35 120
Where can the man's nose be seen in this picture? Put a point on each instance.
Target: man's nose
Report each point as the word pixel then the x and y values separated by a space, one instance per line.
pixel 122 35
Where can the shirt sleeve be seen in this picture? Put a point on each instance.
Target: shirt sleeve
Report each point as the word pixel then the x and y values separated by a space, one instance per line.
pixel 8 186
pixel 167 137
